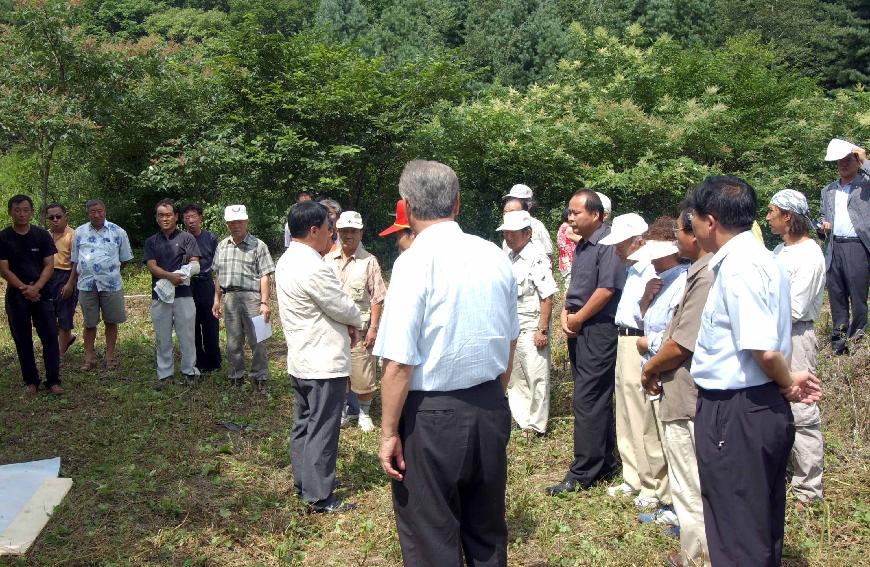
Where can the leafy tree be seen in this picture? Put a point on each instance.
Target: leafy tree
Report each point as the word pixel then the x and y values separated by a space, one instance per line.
pixel 181 24
pixel 341 20
pixel 46 81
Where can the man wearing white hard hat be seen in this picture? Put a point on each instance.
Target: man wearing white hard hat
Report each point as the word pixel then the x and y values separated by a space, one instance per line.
pixel 360 276
pixel 243 265
pixel 803 261
pixel 845 221
pixel 519 198
pixel 529 386
pixel 644 473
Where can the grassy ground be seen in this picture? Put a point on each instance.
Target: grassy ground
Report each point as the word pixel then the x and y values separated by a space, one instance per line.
pixel 159 482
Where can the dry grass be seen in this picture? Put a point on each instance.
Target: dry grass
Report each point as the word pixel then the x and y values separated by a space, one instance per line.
pixel 157 482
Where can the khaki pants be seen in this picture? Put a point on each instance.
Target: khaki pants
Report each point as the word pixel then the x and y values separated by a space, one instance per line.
pixel 685 489
pixel 529 386
pixel 637 436
pixel 363 371
pixel 239 307
pixel 807 454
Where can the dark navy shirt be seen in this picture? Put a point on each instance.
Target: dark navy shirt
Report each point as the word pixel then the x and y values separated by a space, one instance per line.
pixel 26 252
pixel 595 266
pixel 207 242
pixel 170 254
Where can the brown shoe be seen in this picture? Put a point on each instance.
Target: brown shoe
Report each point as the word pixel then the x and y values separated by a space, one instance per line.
pixel 31 389
pixel 674 559
pixel 56 389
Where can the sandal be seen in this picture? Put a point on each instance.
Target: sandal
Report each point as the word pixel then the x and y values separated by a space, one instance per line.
pixel 112 364
pixel 88 365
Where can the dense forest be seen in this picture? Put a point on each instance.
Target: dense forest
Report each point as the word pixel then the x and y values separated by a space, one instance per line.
pixel 253 100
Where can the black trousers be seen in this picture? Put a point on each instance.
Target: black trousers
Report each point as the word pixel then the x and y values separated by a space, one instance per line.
pixel 743 439
pixel 23 317
pixel 450 505
pixel 848 279
pixel 314 436
pixel 593 366
pixel 207 328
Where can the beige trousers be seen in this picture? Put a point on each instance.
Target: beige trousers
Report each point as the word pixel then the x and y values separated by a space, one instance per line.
pixel 685 489
pixel 807 454
pixel 529 386
pixel 637 435
pixel 363 367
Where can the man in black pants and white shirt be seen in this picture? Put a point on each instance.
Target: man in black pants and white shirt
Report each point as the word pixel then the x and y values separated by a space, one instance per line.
pixel 26 263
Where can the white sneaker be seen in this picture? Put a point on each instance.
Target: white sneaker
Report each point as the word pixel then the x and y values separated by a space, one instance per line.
pixel 623 489
pixel 365 423
pixel 666 517
pixel 347 420
pixel 646 502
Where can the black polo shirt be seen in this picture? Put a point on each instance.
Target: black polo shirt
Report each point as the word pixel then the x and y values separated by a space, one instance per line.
pixel 207 242
pixel 170 254
pixel 595 266
pixel 26 252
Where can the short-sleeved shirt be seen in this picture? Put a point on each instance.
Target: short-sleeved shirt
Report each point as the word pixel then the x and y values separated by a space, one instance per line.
pixel 240 266
pixel 748 309
pixel 679 393
pixel 170 254
pixel 374 290
pixel 535 283
pixel 63 243
pixel 565 247
pixel 26 253
pixel 595 266
pixel 98 254
pixel 804 263
pixel 628 315
pixel 662 307
pixel 207 243
pixel 450 311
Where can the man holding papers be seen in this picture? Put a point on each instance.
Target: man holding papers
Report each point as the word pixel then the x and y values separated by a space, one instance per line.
pixel 243 265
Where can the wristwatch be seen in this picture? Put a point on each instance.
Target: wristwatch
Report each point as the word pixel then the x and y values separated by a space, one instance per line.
pixel 544 332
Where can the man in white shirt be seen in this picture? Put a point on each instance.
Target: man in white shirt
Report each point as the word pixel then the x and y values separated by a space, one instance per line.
pixel 320 324
pixel 529 387
pixel 845 221
pixel 447 338
pixel 744 425
pixel 644 472
pixel 804 263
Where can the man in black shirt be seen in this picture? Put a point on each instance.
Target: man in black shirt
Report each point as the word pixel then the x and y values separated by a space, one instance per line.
pixel 597 279
pixel 207 328
pixel 26 263
pixel 172 257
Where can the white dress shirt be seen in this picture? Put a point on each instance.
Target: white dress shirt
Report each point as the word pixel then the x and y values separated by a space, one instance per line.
pixel 315 312
pixel 662 307
pixel 748 309
pixel 628 310
pixel 842 221
pixel 450 311
pixel 804 263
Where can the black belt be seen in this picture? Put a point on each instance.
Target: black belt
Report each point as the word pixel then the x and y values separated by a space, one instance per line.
pixel 846 239
pixel 206 276
pixel 234 288
pixel 628 332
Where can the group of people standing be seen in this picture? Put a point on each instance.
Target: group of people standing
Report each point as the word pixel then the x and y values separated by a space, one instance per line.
pixel 691 346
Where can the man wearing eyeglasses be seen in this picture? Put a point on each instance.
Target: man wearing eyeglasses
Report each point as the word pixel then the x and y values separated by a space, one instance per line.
pixel 64 307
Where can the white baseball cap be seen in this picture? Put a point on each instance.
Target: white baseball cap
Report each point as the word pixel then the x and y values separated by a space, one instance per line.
pixel 838 149
pixel 516 220
pixel 624 227
pixel 520 191
pixel 605 202
pixel 349 219
pixel 653 250
pixel 235 212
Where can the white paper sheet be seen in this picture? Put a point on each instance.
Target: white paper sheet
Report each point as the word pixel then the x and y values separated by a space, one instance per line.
pixel 262 329
pixel 19 482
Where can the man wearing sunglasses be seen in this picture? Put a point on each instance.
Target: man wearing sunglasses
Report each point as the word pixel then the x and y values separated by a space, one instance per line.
pixel 64 307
